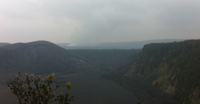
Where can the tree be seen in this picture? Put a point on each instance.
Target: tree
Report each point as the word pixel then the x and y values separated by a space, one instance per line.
pixel 36 90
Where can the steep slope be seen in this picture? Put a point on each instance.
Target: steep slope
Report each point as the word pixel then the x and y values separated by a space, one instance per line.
pixel 172 67
pixel 39 56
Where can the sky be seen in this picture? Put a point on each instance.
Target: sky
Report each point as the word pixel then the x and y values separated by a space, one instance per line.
pixel 96 21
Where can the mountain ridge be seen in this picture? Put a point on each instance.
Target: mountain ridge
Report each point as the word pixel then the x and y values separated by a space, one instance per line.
pixel 37 56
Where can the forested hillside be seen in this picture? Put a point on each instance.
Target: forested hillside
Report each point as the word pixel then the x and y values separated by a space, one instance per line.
pixel 171 67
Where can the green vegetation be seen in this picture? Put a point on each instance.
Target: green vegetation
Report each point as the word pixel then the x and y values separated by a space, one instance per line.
pixel 172 67
pixel 36 90
pixel 162 81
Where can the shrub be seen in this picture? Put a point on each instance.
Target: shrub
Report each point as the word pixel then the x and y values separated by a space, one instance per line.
pixel 36 90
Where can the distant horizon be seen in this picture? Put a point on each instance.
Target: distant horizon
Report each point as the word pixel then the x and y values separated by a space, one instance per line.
pixel 96 43
pixel 110 45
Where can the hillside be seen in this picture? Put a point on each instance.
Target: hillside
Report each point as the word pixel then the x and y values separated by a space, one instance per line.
pixel 39 56
pixel 171 67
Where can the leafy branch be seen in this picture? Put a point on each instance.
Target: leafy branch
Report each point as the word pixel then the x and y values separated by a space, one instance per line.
pixel 36 90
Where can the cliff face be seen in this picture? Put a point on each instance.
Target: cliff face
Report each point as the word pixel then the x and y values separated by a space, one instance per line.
pixel 172 67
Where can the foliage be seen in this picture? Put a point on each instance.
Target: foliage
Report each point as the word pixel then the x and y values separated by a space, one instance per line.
pixel 36 90
pixel 175 67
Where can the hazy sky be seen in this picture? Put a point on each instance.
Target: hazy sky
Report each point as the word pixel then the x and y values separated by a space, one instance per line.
pixel 88 21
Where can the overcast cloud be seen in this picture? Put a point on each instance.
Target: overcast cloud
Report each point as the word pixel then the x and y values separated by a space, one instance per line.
pixel 95 21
